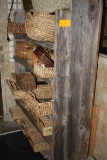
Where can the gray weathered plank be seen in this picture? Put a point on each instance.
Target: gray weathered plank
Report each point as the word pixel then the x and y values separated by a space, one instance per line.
pixel 75 72
pixel 41 43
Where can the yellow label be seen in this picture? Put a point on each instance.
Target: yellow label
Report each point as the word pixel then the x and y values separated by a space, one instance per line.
pixel 64 23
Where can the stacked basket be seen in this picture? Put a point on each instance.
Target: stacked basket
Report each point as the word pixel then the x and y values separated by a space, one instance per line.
pixel 40 26
pixel 49 5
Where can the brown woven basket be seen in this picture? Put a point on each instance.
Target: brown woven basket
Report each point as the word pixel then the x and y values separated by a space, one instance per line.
pixel 37 142
pixel 40 26
pixel 50 5
pixel 18 94
pixel 43 123
pixel 43 92
pixel 40 108
pixel 43 72
pixel 14 27
pixel 26 81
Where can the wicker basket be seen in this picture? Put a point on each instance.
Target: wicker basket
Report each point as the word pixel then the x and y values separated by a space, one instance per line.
pixel 39 108
pixel 37 142
pixel 43 72
pixel 26 81
pixel 40 26
pixel 18 94
pixel 43 92
pixel 49 5
pixel 43 123
pixel 14 27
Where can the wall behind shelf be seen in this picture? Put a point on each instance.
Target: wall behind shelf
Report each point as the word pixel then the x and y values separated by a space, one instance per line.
pixel 100 148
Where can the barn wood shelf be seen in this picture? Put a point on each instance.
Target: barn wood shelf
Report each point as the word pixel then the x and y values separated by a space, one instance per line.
pixel 32 120
pixel 41 43
pixel 29 68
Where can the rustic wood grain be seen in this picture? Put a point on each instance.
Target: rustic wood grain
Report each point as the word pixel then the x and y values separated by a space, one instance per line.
pixel 94 119
pixel 76 56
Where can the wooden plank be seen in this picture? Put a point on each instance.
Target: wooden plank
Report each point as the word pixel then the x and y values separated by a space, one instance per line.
pixel 24 63
pixel 76 55
pixel 41 43
pixel 93 129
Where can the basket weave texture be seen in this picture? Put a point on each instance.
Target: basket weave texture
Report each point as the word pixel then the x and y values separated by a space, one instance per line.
pixel 49 5
pixel 43 92
pixel 43 72
pixel 38 108
pixel 40 26
pixel 26 81
pixel 14 27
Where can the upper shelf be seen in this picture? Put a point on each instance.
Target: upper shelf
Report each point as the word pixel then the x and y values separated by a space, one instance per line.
pixel 29 68
pixel 41 43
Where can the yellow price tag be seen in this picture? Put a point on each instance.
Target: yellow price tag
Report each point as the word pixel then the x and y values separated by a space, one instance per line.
pixel 65 23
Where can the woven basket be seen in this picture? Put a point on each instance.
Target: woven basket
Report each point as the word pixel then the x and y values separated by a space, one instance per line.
pixel 43 72
pixel 39 108
pixel 14 27
pixel 49 5
pixel 26 81
pixel 44 123
pixel 40 26
pixel 43 92
pixel 18 94
pixel 37 142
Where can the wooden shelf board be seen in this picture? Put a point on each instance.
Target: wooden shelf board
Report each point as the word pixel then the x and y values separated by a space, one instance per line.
pixel 41 43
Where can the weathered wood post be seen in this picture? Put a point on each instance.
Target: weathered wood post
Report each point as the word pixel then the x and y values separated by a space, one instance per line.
pixel 75 73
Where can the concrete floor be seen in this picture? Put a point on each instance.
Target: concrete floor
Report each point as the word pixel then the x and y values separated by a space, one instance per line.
pixel 9 127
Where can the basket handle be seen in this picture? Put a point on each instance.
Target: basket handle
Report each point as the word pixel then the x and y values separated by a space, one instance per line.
pixel 28 16
pixel 32 12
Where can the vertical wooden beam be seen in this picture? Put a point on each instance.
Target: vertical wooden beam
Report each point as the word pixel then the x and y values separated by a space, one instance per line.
pixel 61 85
pixel 75 73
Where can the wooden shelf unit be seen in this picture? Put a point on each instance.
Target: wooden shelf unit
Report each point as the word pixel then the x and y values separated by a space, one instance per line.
pixel 74 79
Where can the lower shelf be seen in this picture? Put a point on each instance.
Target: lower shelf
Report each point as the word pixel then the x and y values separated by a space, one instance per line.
pixel 35 139
pixel 44 124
